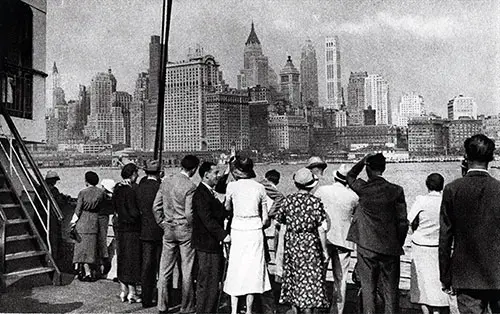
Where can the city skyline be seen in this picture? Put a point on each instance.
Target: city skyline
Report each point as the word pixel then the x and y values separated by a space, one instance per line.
pixel 409 44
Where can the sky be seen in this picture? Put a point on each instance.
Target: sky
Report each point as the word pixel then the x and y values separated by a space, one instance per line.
pixel 439 48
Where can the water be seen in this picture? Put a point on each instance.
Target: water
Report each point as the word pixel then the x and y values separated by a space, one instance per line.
pixel 411 176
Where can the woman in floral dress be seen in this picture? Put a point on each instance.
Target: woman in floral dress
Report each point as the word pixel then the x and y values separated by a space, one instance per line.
pixel 305 246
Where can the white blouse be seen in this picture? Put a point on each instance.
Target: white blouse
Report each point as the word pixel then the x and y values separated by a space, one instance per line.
pixel 426 208
pixel 247 197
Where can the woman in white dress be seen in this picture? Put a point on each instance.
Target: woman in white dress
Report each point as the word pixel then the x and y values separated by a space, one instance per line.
pixel 425 287
pixel 247 272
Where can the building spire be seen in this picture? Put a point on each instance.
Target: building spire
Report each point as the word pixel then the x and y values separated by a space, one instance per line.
pixel 54 68
pixel 252 38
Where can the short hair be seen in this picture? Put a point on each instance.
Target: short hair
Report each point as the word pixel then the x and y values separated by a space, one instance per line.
pixel 435 182
pixel 128 170
pixel 273 176
pixel 91 178
pixel 190 162
pixel 479 148
pixel 376 162
pixel 205 167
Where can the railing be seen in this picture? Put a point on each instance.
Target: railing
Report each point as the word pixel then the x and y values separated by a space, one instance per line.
pixel 42 206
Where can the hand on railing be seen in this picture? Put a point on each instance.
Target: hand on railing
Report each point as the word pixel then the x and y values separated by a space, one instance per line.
pixel 74 220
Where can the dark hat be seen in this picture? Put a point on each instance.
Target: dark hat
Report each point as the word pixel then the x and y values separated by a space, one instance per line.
pixel 51 174
pixel 242 168
pixel 305 178
pixel 376 161
pixel 316 162
pixel 152 166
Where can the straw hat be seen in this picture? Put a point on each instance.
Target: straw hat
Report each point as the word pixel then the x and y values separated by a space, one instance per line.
pixel 51 174
pixel 108 184
pixel 305 177
pixel 316 162
pixel 341 173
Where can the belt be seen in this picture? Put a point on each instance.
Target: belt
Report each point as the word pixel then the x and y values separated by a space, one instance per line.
pixel 252 216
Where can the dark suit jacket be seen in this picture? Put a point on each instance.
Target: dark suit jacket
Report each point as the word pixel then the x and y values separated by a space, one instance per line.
pixel 146 193
pixel 380 221
pixel 208 221
pixel 470 217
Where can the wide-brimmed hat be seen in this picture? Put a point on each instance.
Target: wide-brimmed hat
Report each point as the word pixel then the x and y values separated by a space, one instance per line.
pixel 51 174
pixel 341 173
pixel 242 168
pixel 108 184
pixel 316 162
pixel 305 178
pixel 152 166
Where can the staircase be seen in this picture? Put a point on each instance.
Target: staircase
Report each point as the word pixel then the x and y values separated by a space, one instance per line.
pixel 29 216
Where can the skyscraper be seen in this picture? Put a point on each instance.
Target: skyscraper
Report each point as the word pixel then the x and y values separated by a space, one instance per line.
pixel 290 83
pixel 120 110
pixel 137 112
pixel 258 117
pixel 377 96
pixel 309 74
pixel 151 107
pixel 188 83
pixel 411 106
pixel 356 98
pixel 255 64
pixel 462 107
pixel 333 73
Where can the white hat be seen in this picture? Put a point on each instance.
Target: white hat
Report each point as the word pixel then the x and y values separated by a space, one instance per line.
pixel 341 173
pixel 108 184
pixel 305 177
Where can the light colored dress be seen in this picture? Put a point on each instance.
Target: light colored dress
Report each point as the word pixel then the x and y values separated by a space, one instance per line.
pixel 247 271
pixel 425 287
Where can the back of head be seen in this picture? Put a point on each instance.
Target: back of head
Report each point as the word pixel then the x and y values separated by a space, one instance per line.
pixel 190 162
pixel 91 178
pixel 204 168
pixel 435 182
pixel 128 170
pixel 479 148
pixel 273 176
pixel 376 162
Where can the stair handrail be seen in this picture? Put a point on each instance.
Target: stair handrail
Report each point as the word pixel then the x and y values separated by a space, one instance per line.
pixel 13 129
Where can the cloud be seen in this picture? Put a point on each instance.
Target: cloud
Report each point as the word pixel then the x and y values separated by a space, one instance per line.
pixel 420 26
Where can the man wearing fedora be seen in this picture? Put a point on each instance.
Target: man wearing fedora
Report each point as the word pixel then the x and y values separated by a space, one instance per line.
pixel 317 167
pixel 151 233
pixel 62 200
pixel 173 211
pixel 339 202
pixel 379 228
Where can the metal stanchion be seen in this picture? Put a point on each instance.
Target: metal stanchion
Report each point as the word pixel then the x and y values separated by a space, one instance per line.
pixel 225 247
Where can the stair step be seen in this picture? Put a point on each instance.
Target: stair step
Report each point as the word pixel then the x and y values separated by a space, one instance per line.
pixel 29 272
pixel 4 190
pixel 24 254
pixel 16 221
pixel 9 205
pixel 19 237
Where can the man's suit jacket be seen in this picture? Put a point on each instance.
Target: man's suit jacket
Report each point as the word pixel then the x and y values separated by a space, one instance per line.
pixel 173 201
pixel 208 221
pixel 470 221
pixel 146 193
pixel 380 222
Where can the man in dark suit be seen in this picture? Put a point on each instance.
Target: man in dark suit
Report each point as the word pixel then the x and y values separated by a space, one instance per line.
pixel 208 234
pixel 379 229
pixel 151 233
pixel 470 220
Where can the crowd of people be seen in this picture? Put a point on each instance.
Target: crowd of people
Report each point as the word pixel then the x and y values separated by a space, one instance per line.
pixel 214 232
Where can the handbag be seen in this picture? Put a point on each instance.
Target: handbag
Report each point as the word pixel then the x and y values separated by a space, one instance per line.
pixel 73 234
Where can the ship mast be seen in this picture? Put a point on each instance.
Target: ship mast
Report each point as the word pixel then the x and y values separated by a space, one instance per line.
pixel 165 30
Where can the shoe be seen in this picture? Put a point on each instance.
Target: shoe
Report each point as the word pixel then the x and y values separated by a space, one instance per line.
pixel 123 296
pixel 132 298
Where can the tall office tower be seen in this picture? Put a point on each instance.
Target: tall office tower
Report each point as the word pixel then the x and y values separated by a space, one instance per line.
pixel 411 105
pixel 84 103
pixel 333 73
pixel 141 91
pixel 255 64
pixel 309 75
pixel 356 98
pixel 121 100
pixel 462 107
pixel 188 83
pixel 227 119
pixel 137 140
pixel 289 132
pixel 151 107
pixel 290 83
pixel 377 96
pixel 75 121
pixel 260 98
pixel 99 125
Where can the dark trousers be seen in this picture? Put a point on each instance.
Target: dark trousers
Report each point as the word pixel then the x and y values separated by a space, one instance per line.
pixel 151 253
pixel 208 279
pixel 477 301
pixel 383 271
